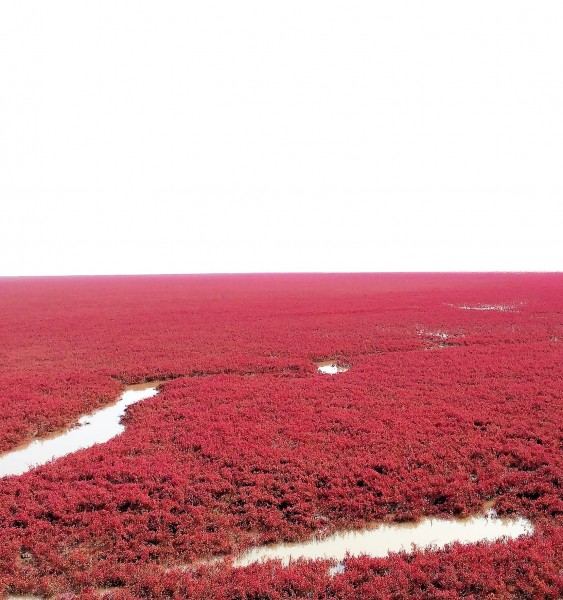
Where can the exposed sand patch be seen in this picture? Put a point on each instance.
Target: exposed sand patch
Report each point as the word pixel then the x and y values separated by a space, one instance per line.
pixel 488 307
pixel 331 367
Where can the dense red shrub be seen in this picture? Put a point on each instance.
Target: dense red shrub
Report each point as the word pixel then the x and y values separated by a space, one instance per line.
pixel 453 398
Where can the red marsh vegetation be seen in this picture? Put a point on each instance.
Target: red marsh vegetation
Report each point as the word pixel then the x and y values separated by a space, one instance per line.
pixel 452 399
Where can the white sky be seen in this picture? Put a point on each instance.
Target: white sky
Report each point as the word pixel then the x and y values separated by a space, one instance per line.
pixel 214 136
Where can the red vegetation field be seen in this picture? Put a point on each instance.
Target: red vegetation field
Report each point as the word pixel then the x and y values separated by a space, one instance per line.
pixel 443 409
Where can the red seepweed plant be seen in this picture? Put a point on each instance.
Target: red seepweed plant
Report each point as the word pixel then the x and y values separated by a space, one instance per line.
pixel 452 399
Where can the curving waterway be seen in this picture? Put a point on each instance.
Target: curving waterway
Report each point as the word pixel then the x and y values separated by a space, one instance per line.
pixel 380 540
pixel 95 428
pixel 377 540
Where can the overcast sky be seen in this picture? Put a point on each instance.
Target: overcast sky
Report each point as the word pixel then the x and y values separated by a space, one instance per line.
pixel 217 136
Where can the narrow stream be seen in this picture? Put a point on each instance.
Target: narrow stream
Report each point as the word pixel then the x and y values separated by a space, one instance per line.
pixel 377 540
pixel 95 428
pixel 380 540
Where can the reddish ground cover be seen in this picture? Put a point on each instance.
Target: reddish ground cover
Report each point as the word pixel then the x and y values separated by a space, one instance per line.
pixel 453 398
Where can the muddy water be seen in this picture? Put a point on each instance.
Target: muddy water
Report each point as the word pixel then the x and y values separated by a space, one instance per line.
pixel 95 428
pixel 379 541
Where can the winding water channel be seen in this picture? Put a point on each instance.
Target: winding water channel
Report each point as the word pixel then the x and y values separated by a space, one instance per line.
pixel 377 540
pixel 95 428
